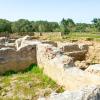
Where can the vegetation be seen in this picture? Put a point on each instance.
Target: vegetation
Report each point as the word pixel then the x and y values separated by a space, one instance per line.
pixel 29 84
pixel 66 26
pixel 82 36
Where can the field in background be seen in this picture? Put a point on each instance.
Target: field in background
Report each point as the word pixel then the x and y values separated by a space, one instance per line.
pixel 73 36
pixel 87 36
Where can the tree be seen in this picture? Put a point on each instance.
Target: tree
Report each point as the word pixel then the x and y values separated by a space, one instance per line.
pixel 5 26
pixel 96 22
pixel 67 25
pixel 42 26
pixel 54 26
pixel 22 25
pixel 80 27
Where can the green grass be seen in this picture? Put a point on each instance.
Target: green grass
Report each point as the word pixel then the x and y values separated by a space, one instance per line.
pixel 90 35
pixel 76 36
pixel 84 36
pixel 30 83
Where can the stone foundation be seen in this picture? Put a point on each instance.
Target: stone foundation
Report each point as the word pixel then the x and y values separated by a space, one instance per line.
pixel 93 54
pixel 12 60
pixel 61 68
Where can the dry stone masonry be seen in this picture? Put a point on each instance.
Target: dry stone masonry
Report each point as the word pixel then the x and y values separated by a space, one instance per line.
pixel 94 53
pixel 10 59
pixel 77 51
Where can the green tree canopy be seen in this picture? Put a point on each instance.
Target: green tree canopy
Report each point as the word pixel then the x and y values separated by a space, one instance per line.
pixel 22 25
pixel 96 22
pixel 67 25
pixel 5 25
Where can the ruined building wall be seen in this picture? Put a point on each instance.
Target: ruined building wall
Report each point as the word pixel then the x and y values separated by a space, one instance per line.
pixel 10 59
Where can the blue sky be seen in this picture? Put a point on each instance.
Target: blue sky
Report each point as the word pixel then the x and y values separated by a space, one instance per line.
pixel 51 10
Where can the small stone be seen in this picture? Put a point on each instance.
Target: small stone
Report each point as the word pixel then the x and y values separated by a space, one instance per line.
pixel 81 64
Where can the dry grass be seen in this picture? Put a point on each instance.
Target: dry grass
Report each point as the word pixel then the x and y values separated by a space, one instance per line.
pixel 30 84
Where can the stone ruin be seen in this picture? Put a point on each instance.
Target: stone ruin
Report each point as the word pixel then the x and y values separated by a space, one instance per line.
pixel 69 64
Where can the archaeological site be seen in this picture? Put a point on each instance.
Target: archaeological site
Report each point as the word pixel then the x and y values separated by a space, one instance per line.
pixel 73 65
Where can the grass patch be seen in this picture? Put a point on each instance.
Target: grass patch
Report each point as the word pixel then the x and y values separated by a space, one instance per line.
pixel 28 84
pixel 86 36
pixel 8 73
pixel 75 36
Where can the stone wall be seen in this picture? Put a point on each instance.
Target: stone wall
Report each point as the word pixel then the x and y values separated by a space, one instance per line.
pixel 93 54
pixel 75 50
pixel 19 55
pixel 50 59
pixel 61 68
pixel 56 34
pixel 12 60
pixel 48 34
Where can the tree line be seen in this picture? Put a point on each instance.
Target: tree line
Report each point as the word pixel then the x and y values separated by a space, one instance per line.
pixel 65 26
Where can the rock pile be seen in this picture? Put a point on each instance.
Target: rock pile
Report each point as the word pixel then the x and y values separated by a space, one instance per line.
pixel 86 93
pixel 94 69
